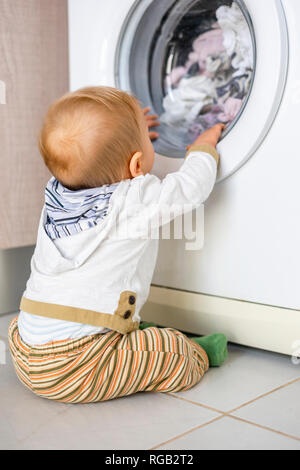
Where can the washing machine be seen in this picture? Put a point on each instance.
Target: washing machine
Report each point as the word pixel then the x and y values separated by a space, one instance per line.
pixel 244 281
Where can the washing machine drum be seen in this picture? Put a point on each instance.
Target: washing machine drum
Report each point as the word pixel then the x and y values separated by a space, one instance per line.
pixel 199 62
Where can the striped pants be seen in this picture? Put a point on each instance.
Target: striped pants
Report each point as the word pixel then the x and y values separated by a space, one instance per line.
pixel 103 367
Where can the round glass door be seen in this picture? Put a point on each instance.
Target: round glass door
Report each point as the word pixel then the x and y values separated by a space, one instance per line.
pixel 195 62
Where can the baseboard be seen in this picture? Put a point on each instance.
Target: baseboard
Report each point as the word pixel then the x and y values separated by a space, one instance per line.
pixel 260 326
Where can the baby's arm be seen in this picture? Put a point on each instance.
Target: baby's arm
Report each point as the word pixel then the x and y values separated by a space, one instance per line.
pixel 210 137
pixel 188 188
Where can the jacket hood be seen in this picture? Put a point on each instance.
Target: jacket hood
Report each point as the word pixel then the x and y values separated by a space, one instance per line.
pixel 70 212
pixel 70 220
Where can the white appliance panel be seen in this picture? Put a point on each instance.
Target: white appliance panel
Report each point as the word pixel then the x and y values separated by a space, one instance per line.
pixel 252 223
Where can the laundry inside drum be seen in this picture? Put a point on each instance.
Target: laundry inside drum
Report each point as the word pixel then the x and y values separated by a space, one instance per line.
pixel 206 72
pixel 192 62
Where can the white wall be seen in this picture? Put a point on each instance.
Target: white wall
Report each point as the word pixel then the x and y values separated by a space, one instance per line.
pixel 14 272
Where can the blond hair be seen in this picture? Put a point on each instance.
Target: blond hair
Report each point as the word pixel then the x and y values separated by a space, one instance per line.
pixel 89 136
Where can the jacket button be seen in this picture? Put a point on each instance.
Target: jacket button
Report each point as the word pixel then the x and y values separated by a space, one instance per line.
pixel 132 300
pixel 127 314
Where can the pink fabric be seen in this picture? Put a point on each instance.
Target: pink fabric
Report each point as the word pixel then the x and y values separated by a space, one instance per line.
pixel 176 75
pixel 210 43
pixel 207 44
pixel 231 108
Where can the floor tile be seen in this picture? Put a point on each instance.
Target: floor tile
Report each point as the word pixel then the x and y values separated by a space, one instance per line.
pixel 280 410
pixel 21 411
pixel 230 434
pixel 147 420
pixel 141 421
pixel 246 374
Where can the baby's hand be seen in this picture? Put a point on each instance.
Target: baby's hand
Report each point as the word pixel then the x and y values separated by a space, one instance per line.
pixel 152 121
pixel 211 136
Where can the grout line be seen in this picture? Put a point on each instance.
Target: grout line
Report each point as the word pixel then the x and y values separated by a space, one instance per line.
pixel 264 395
pixel 266 428
pixel 229 415
pixel 179 397
pixel 225 413
pixel 187 432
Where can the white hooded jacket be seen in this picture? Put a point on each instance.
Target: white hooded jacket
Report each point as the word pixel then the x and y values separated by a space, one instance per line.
pixel 99 279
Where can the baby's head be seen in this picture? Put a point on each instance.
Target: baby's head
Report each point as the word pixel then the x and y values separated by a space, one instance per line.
pixel 96 136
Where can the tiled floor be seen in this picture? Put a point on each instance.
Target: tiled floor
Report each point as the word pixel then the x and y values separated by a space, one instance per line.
pixel 252 402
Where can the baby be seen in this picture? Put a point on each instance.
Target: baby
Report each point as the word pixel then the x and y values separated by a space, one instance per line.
pixel 78 337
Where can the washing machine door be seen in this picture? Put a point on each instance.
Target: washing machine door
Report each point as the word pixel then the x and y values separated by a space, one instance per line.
pixel 198 62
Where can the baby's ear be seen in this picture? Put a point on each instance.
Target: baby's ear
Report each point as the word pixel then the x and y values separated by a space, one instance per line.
pixel 135 164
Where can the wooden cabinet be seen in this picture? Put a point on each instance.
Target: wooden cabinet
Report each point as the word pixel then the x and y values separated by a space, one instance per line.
pixel 33 73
